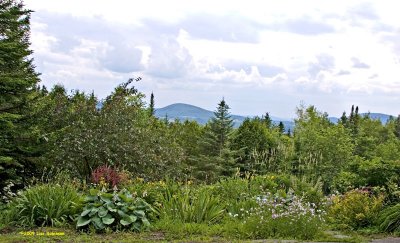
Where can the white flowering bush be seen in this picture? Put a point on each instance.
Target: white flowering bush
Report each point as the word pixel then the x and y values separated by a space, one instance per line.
pixel 276 216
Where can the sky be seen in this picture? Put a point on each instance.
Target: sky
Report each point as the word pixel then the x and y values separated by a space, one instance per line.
pixel 260 56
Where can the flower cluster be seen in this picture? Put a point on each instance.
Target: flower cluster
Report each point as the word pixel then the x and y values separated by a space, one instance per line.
pixel 287 207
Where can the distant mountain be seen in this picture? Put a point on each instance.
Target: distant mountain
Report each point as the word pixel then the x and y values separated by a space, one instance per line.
pixel 378 116
pixel 190 112
pixel 375 116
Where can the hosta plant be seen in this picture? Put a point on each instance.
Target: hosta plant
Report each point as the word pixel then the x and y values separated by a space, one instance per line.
pixel 115 211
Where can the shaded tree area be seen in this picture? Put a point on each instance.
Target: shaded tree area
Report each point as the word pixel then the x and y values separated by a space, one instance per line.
pixel 18 80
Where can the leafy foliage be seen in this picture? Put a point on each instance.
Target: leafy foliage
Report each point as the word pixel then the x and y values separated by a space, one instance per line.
pixel 18 81
pixel 389 219
pixel 116 211
pixel 190 206
pixel 355 209
pixel 45 205
pixel 120 134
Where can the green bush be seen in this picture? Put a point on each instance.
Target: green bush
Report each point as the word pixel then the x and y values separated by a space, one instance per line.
pixel 389 220
pixel 355 209
pixel 115 211
pixel 45 205
pixel 191 206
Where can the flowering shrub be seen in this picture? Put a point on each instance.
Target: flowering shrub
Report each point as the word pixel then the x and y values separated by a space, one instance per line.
pixel 277 216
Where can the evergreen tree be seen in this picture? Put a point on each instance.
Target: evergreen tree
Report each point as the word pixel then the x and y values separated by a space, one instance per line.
pixel 397 127
pixel 151 108
pixel 281 127
pixel 221 126
pixel 216 158
pixel 343 119
pixel 18 81
pixel 267 120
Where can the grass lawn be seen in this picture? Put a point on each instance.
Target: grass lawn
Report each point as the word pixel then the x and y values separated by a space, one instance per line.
pixel 48 234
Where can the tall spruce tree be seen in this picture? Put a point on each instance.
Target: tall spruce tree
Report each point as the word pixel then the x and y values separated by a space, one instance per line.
pixel 267 120
pixel 151 107
pixel 221 126
pixel 216 157
pixel 281 127
pixel 18 81
pixel 397 127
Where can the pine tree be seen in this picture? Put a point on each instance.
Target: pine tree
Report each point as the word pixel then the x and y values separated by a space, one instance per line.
pixel 267 120
pixel 18 81
pixel 343 119
pixel 397 127
pixel 281 127
pixel 151 108
pixel 221 126
pixel 216 158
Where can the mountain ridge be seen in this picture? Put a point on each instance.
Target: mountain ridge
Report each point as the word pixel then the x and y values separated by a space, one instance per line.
pixel 182 111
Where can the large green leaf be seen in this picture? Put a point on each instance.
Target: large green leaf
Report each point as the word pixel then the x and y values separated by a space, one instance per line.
pixel 82 221
pixel 125 222
pixel 139 213
pixel 86 212
pixel 93 211
pixel 111 207
pixel 106 197
pixel 98 223
pixel 146 222
pixel 102 212
pixel 121 213
pixel 128 220
pixel 90 198
pixel 108 219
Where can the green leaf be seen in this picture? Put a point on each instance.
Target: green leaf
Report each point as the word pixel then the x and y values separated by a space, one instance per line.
pixel 124 222
pixel 82 221
pixel 146 222
pixel 108 219
pixel 106 197
pixel 93 211
pixel 86 212
pixel 128 220
pixel 122 213
pixel 90 198
pixel 102 212
pixel 139 213
pixel 93 192
pixel 98 223
pixel 111 207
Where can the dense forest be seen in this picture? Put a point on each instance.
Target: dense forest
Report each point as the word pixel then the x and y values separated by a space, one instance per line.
pixel 48 133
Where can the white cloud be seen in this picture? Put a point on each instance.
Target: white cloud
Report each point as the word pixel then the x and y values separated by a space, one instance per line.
pixel 253 51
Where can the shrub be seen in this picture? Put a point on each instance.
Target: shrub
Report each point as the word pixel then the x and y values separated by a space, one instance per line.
pixel 45 205
pixel 355 209
pixel 115 211
pixel 190 206
pixel 106 176
pixel 389 220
